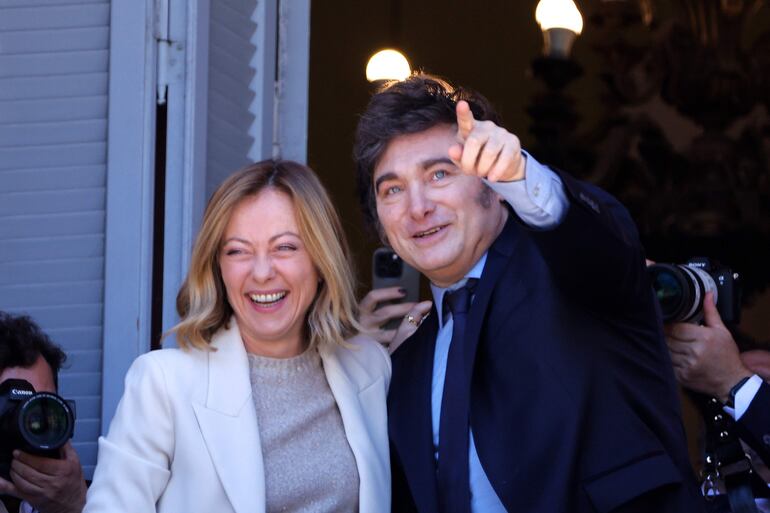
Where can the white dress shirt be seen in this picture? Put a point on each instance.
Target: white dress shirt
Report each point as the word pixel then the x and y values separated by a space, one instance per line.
pixel 744 396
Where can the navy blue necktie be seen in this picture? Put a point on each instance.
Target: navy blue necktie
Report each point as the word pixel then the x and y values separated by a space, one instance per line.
pixel 452 473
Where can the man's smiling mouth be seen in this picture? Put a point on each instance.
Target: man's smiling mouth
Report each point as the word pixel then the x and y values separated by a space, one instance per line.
pixel 427 233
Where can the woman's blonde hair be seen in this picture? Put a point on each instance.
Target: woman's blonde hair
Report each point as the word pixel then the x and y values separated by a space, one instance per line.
pixel 202 300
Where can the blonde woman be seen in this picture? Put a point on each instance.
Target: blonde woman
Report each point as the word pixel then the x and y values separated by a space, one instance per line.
pixel 272 403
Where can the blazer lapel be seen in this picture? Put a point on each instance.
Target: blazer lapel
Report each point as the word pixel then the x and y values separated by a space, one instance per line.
pixel 498 258
pixel 228 423
pixel 409 412
pixel 372 469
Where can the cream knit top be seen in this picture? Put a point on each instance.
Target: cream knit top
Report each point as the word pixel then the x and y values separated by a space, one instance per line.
pixel 309 466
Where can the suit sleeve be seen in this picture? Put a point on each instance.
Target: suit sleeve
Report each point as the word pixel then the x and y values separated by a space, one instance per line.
pixel 134 458
pixel 539 199
pixel 755 423
pixel 594 252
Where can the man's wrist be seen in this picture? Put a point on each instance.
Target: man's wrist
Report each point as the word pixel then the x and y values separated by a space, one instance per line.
pixel 729 399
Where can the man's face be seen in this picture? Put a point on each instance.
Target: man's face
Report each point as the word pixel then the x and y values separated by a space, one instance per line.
pixel 436 218
pixel 39 375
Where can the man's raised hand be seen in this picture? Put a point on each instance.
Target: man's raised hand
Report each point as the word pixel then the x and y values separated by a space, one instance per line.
pixel 485 149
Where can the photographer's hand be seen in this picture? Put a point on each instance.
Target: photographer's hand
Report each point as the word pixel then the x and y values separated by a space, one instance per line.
pixel 49 485
pixel 706 358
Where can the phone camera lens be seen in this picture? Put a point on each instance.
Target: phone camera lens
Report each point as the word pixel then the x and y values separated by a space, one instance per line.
pixel 389 266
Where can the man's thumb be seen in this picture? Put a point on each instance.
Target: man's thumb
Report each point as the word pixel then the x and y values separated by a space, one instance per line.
pixel 710 312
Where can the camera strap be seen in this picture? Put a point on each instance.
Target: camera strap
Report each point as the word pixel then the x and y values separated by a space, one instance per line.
pixel 725 458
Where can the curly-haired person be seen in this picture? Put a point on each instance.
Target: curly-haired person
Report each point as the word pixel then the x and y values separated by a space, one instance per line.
pixel 38 484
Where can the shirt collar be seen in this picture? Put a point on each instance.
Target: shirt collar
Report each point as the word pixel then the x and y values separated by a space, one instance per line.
pixel 438 292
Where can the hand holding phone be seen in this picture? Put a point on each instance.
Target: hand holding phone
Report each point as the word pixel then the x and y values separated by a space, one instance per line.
pixel 389 270
pixel 404 317
pixel 390 312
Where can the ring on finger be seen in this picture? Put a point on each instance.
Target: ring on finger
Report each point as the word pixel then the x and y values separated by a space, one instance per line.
pixel 411 319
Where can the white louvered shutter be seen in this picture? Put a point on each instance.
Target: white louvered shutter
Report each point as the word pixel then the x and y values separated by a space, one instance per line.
pixel 230 95
pixel 53 138
pixel 241 86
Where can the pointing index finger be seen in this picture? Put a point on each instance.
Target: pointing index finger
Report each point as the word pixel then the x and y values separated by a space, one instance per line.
pixel 465 120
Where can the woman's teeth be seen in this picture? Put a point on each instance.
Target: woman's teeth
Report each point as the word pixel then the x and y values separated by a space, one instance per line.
pixel 266 299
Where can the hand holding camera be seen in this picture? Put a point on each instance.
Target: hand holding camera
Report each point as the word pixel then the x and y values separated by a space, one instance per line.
pixel 696 299
pixel 50 485
pixel 706 358
pixel 37 461
pixel 35 422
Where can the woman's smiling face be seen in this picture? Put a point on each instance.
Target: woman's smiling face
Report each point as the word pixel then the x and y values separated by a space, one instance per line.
pixel 268 274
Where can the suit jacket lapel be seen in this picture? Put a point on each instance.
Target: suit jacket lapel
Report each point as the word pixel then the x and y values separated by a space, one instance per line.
pixel 498 258
pixel 228 423
pixel 501 255
pixel 409 412
pixel 372 470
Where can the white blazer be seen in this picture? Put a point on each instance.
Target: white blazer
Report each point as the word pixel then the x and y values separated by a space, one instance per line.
pixel 185 435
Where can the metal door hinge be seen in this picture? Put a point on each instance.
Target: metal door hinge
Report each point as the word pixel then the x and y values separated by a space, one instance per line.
pixel 170 58
pixel 170 66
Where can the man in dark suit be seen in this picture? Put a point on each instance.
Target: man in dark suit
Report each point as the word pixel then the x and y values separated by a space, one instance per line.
pixel 541 381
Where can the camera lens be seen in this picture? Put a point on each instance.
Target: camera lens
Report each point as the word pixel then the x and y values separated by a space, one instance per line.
pixel 680 290
pixel 670 290
pixel 389 265
pixel 45 421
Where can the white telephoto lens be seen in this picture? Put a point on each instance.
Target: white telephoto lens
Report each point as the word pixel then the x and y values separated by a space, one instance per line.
pixel 703 283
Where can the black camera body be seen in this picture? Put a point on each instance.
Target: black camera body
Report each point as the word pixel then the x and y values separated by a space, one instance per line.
pixel 35 422
pixel 681 289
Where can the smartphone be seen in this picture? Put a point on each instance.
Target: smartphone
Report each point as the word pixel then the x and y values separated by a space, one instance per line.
pixel 388 270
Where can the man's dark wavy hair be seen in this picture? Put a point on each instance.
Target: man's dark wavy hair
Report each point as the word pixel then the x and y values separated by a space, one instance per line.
pixel 22 341
pixel 404 107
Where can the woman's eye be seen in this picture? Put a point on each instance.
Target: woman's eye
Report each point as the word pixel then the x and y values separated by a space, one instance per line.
pixel 438 175
pixel 287 247
pixel 232 251
pixel 393 189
